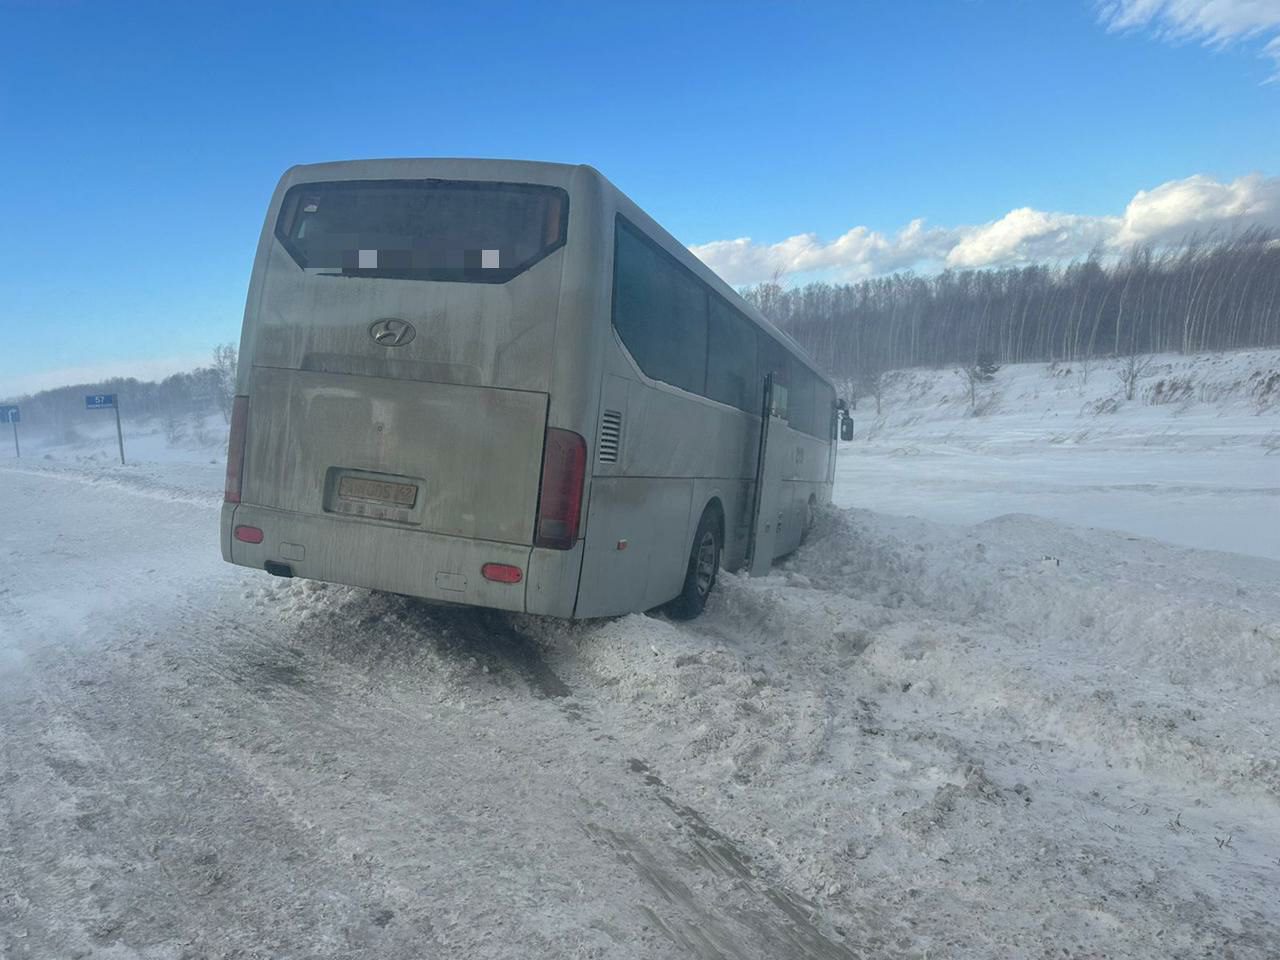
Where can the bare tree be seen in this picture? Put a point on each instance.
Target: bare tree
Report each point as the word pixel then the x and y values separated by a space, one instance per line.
pixel 982 370
pixel 1132 369
pixel 875 386
pixel 171 423
pixel 224 381
pixel 972 378
pixel 869 378
pixel 1084 366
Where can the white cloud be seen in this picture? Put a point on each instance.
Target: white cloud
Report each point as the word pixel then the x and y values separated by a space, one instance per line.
pixel 1163 214
pixel 1027 234
pixel 859 252
pixel 1214 22
pixel 1179 207
pixel 151 369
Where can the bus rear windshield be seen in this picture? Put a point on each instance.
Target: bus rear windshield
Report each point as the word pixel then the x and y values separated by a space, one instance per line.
pixel 422 229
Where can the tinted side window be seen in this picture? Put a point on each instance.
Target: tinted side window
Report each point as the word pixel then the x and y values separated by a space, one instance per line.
pixel 659 311
pixel 802 400
pixel 775 360
pixel 731 358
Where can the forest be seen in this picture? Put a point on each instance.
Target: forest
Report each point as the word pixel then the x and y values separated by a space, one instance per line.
pixel 1206 293
pixel 180 402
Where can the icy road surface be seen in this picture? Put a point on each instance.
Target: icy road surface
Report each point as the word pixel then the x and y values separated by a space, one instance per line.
pixel 914 740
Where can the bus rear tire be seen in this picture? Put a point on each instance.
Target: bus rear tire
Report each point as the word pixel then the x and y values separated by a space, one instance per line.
pixel 700 576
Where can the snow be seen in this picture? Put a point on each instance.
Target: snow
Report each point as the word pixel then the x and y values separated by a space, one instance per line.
pixel 1037 718
pixel 189 470
pixel 1202 471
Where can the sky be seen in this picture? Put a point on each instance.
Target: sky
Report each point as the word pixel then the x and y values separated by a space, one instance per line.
pixel 141 143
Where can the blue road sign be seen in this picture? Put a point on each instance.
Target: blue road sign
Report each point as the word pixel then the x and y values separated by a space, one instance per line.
pixel 10 415
pixel 99 401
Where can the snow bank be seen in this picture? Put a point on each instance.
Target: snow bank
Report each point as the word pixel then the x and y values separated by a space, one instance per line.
pixel 1204 396
pixel 1192 459
pixel 934 720
pixel 148 440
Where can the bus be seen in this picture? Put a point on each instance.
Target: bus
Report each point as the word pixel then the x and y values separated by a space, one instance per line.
pixel 501 384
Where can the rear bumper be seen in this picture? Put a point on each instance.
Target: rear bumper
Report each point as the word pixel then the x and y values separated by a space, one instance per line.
pixel 412 562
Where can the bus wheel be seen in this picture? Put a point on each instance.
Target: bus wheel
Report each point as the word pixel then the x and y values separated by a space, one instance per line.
pixel 700 577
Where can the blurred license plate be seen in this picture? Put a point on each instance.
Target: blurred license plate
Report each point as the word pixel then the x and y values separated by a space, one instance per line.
pixel 377 491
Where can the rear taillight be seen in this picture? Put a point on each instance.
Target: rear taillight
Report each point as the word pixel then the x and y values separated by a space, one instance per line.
pixel 235 449
pixel 564 465
pixel 249 534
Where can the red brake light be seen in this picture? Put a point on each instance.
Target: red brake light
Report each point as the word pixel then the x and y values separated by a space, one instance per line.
pixel 564 466
pixel 501 573
pixel 235 449
pixel 248 534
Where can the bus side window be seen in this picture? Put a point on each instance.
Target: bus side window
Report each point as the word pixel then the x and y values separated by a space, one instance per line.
pixel 660 312
pixel 773 359
pixel 803 387
pixel 731 358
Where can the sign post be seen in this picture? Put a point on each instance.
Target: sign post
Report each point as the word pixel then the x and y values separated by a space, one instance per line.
pixel 11 415
pixel 107 401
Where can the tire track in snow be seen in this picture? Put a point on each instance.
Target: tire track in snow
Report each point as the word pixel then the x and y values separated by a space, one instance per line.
pixel 780 920
pixel 791 930
pixel 202 661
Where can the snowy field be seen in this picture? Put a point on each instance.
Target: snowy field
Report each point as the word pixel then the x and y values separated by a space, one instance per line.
pixel 982 731
pixel 1193 458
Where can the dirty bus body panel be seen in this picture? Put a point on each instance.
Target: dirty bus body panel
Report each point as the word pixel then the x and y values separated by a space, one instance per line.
pixel 426 361
pixel 452 420
pixel 681 384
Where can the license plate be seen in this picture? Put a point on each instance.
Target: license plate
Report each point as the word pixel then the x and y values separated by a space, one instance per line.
pixel 377 491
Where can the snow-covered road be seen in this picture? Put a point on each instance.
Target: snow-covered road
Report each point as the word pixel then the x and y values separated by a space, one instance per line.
pixel 1011 739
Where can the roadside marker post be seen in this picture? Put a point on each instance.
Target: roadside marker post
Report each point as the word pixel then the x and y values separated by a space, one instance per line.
pixel 107 401
pixel 12 415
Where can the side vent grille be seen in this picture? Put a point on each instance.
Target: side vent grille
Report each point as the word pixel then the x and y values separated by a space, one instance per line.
pixel 610 436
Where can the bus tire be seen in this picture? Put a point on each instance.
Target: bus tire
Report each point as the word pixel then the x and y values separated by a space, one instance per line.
pixel 700 575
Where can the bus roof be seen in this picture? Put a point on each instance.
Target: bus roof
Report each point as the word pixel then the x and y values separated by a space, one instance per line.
pixel 554 174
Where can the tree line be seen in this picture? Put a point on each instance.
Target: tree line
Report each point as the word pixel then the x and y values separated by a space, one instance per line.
pixel 1206 293
pixel 176 401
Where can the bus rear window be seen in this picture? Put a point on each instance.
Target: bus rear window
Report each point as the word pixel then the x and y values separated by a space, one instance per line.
pixel 422 229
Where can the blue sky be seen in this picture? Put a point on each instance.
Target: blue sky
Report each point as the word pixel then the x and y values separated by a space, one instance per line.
pixel 142 141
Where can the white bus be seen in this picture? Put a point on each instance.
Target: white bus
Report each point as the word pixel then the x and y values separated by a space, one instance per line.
pixel 500 383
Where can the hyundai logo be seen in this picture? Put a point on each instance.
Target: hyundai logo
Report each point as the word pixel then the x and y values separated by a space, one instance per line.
pixel 392 332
